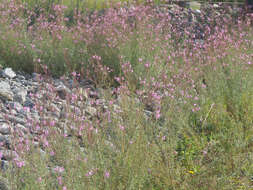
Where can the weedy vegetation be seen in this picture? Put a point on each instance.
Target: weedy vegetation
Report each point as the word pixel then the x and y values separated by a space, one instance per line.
pixel 184 118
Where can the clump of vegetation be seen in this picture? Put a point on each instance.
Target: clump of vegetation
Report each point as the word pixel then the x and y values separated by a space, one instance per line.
pixel 184 116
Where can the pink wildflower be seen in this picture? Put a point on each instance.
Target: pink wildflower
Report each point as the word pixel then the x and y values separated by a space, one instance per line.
pixel 107 174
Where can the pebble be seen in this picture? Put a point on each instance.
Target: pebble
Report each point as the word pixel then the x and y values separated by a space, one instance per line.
pixel 26 99
pixel 5 129
pixel 20 92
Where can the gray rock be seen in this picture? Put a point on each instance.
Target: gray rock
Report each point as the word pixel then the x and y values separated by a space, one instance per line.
pixel 22 91
pixel 4 166
pixel 29 103
pixel 5 129
pixel 16 105
pixel 8 72
pixel 62 91
pixel 16 119
pixel 36 77
pixel 20 78
pixel 8 154
pixel 20 95
pixel 5 91
pixel 4 139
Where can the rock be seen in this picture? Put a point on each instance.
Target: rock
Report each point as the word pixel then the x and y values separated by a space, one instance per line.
pixel 15 119
pixel 36 77
pixel 26 100
pixel 16 105
pixel 4 139
pixel 5 129
pixel 62 91
pixel 20 95
pixel 29 103
pixel 8 72
pixel 4 166
pixel 8 154
pixel 5 91
pixel 87 84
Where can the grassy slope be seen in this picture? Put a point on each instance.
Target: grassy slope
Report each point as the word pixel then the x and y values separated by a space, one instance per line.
pixel 200 134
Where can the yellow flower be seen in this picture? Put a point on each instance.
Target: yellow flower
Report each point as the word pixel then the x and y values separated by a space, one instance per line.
pixel 191 172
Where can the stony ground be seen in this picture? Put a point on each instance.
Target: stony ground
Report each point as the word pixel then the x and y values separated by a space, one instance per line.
pixel 19 93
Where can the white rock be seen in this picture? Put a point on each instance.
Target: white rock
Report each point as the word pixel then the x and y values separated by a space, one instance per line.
pixel 8 72
pixel 5 129
pixel 5 91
